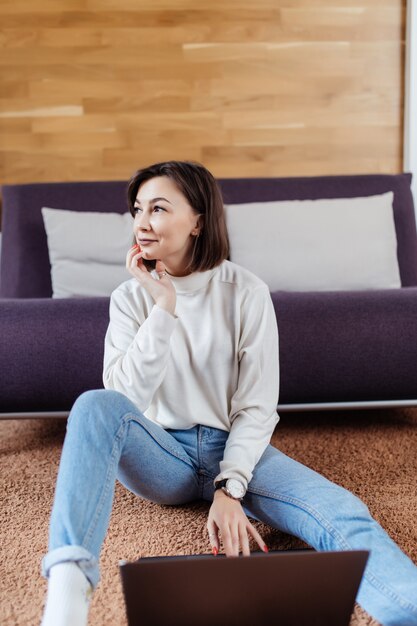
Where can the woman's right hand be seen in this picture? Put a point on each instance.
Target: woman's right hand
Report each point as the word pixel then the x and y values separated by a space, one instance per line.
pixel 162 291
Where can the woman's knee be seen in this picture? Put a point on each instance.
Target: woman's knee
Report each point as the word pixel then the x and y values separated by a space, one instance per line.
pixel 97 397
pixel 95 405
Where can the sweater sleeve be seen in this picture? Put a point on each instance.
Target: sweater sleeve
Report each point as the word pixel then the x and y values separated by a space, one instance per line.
pixel 253 413
pixel 136 355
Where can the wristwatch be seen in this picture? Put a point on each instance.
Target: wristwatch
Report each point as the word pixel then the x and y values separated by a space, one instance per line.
pixel 231 487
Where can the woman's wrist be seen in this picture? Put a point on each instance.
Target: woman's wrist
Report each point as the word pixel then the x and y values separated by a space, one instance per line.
pixel 166 304
pixel 220 495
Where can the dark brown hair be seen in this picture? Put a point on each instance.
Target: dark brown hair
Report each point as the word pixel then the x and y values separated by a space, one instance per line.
pixel 204 196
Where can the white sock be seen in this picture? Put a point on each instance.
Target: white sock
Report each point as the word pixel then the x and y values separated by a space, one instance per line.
pixel 68 597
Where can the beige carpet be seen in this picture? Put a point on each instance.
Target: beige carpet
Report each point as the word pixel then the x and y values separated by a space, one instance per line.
pixel 371 453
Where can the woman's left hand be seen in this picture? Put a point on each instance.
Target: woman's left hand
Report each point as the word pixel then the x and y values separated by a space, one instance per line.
pixel 227 518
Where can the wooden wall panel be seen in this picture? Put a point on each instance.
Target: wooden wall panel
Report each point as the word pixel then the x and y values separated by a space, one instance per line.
pixel 93 89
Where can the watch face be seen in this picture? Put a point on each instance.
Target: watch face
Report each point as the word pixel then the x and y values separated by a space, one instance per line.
pixel 235 488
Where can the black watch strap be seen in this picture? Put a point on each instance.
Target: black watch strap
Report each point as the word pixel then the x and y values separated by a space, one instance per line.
pixel 220 484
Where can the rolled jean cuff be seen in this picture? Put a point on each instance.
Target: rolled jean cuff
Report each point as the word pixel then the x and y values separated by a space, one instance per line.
pixel 84 559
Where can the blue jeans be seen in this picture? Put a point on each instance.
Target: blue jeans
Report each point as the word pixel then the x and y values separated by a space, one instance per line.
pixel 108 438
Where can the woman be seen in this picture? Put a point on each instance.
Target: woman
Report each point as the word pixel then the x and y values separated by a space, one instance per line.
pixel 191 375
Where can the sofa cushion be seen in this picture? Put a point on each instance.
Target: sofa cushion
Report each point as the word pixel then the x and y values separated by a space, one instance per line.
pixel 87 251
pixel 347 346
pixel 51 351
pixel 319 356
pixel 236 191
pixel 25 267
pixel 317 245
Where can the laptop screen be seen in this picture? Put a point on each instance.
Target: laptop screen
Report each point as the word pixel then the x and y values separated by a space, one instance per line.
pixel 300 588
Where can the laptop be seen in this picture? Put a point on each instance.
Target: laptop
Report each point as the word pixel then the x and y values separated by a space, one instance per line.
pixel 288 588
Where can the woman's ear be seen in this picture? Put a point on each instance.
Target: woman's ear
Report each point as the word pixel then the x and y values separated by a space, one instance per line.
pixel 199 227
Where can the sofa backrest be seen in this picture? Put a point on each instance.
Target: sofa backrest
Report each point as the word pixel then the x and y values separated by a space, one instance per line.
pixel 25 267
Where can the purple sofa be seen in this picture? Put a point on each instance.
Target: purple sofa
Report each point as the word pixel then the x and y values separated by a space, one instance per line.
pixel 337 349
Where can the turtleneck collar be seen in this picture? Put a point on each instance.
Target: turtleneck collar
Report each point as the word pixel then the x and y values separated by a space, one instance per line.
pixel 193 282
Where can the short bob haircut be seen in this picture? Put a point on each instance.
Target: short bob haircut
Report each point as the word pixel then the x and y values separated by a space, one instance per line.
pixel 202 192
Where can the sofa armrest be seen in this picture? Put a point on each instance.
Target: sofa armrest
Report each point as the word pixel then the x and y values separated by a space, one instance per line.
pixel 50 351
pixel 347 346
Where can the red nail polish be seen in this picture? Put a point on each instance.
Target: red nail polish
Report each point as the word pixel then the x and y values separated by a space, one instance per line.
pixel 215 551
pixel 265 548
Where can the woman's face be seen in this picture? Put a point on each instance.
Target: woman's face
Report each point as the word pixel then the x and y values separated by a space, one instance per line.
pixel 165 224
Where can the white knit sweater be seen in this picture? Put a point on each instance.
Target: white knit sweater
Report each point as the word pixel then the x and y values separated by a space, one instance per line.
pixel 214 363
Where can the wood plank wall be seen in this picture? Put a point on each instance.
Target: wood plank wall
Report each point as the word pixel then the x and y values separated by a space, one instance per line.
pixel 93 89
